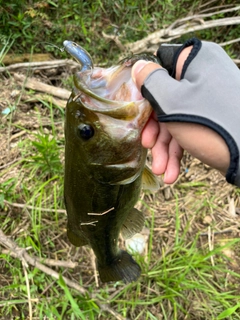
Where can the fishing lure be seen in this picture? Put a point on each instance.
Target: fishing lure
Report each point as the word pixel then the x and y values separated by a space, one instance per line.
pixel 79 54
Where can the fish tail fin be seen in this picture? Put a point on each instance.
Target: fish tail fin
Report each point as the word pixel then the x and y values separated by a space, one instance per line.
pixel 123 267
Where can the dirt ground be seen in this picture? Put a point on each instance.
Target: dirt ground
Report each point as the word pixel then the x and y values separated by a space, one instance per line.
pixel 207 204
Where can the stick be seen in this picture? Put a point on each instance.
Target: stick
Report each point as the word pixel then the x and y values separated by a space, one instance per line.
pixel 115 39
pixel 94 268
pixel 40 65
pixel 217 232
pixel 222 44
pixel 49 262
pixel 45 97
pixel 176 30
pixel 36 85
pixel 9 163
pixel 22 255
pixel 25 206
pixel 210 243
pixel 28 290
pixel 18 58
pixel 100 214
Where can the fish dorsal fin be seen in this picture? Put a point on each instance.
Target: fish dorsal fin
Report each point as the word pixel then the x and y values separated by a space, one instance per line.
pixel 149 180
pixel 132 224
pixel 76 240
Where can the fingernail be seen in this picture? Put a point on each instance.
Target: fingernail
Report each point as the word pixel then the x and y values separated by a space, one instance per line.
pixel 137 67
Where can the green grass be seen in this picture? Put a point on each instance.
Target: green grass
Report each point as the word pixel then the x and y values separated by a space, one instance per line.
pixel 178 281
pixel 181 277
pixel 84 22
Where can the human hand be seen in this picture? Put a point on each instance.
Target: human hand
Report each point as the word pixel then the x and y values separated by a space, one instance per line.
pixel 201 111
pixel 166 152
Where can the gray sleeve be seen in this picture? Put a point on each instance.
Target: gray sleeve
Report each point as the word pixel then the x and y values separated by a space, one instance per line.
pixel 208 94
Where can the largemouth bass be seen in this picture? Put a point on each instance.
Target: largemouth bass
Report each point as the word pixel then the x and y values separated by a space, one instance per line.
pixel 105 162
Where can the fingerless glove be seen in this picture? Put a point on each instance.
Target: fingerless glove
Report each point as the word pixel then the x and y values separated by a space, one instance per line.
pixel 208 93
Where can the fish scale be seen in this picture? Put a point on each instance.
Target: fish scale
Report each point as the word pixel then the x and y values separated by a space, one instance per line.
pixel 105 164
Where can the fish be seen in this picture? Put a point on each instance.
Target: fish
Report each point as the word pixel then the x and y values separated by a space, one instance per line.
pixel 105 163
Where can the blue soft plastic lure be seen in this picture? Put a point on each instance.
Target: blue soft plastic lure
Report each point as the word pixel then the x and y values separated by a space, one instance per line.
pixel 80 54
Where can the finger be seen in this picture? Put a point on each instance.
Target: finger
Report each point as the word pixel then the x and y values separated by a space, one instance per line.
pixel 150 132
pixel 160 150
pixel 175 153
pixel 141 69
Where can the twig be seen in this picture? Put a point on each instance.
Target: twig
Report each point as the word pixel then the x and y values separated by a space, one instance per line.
pixel 237 61
pixel 217 232
pixel 209 8
pixel 17 135
pixel 49 99
pixel 28 290
pixel 36 85
pixel 222 44
pixel 9 303
pixel 40 65
pixel 210 14
pixel 25 206
pixel 23 256
pixel 115 39
pixel 19 58
pixel 9 163
pixel 176 30
pixel 210 243
pixel 94 268
pixel 100 214
pixel 90 223
pixel 49 262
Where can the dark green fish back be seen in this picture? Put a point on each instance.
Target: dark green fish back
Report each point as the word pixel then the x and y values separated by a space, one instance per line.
pixel 104 164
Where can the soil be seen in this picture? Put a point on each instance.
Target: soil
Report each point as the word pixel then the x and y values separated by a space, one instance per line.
pixel 206 203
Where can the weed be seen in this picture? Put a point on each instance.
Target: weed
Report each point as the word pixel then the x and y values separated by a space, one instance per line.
pixel 190 270
pixel 84 23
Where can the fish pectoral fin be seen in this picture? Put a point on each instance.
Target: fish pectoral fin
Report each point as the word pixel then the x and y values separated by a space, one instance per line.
pixel 123 267
pixel 149 180
pixel 75 239
pixel 132 224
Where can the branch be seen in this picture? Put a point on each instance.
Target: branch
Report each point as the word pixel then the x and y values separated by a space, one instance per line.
pixel 18 58
pixel 25 258
pixel 36 85
pixel 22 255
pixel 26 206
pixel 222 44
pixel 176 30
pixel 115 39
pixel 47 98
pixel 237 61
pixel 50 262
pixel 40 65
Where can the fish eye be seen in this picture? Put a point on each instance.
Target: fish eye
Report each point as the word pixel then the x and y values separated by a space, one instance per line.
pixel 85 131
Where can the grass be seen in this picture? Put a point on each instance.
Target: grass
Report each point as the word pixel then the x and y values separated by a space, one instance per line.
pixel 190 270
pixel 84 23
pixel 181 278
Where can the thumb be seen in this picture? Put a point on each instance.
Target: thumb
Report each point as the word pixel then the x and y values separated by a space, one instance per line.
pixel 141 70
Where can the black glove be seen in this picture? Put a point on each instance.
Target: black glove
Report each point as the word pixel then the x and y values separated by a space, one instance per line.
pixel 208 93
pixel 167 55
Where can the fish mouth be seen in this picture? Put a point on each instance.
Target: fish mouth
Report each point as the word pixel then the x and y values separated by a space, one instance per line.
pixel 108 85
pixel 110 91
